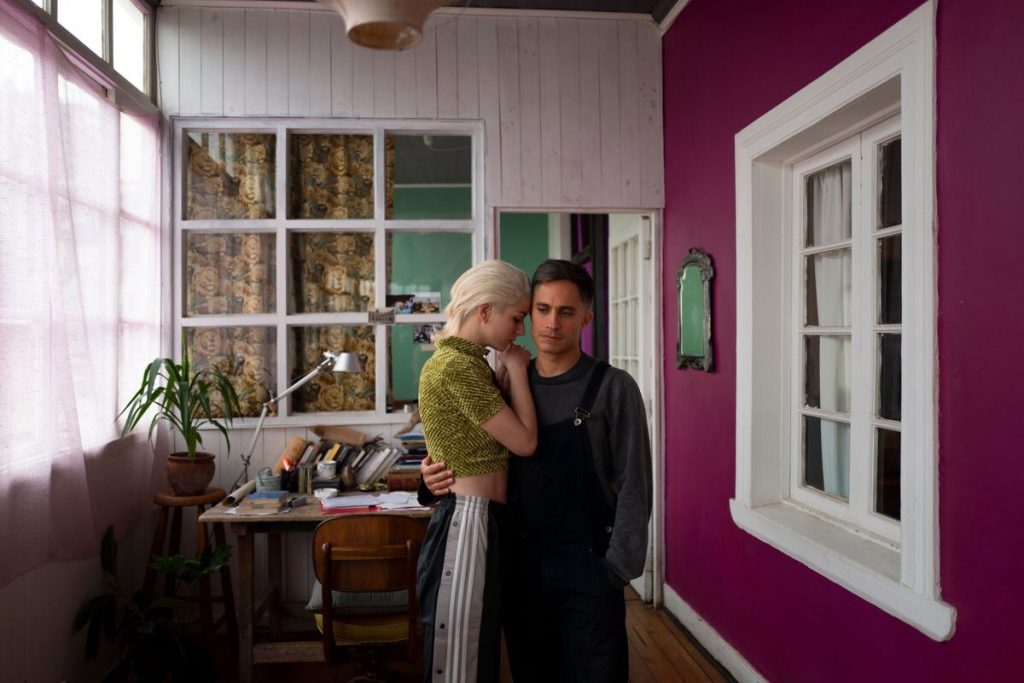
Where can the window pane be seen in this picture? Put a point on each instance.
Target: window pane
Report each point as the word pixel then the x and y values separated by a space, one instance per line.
pixel 332 391
pixel 84 18
pixel 229 175
pixel 827 288
pixel 229 273
pixel 827 372
pixel 890 280
pixel 430 176
pixel 331 176
pixel 247 354
pixel 411 346
pixel 828 205
pixel 890 185
pixel 332 272
pixel 425 263
pixel 889 367
pixel 129 42
pixel 827 456
pixel 887 474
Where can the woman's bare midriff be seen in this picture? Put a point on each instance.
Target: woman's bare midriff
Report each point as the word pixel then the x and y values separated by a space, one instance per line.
pixel 493 485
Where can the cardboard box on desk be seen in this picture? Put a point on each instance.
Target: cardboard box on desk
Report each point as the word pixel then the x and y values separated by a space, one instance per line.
pixel 353 437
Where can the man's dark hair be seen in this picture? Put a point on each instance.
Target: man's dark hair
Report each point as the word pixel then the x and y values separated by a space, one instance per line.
pixel 557 269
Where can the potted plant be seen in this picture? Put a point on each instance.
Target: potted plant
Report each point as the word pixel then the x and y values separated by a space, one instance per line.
pixel 187 399
pixel 150 631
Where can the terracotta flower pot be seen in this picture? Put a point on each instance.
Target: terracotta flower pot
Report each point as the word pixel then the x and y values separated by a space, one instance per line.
pixel 190 477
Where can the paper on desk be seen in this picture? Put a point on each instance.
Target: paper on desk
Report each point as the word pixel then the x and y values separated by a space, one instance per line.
pixel 255 512
pixel 236 496
pixel 369 500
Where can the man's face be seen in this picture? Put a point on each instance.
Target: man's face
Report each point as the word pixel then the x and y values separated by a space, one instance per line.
pixel 558 317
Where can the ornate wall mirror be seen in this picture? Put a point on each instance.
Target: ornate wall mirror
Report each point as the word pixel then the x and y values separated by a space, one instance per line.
pixel 693 350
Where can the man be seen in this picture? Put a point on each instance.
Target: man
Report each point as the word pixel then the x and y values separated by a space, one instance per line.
pixel 580 506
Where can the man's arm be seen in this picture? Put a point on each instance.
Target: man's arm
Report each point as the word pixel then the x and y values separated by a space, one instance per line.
pixel 629 451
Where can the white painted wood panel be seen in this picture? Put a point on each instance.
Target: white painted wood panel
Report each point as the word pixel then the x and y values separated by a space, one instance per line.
pixel 550 114
pixel 651 145
pixel 167 60
pixel 608 110
pixel 447 69
pixel 383 85
pixel 190 64
pixel 591 156
pixel 298 63
pixel 234 62
pixel 426 73
pixel 529 112
pixel 569 113
pixel 277 64
pixel 212 62
pixel 255 79
pixel 571 107
pixel 468 65
pixel 508 99
pixel 341 70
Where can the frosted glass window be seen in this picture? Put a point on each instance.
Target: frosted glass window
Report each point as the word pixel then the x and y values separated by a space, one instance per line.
pixel 84 18
pixel 130 42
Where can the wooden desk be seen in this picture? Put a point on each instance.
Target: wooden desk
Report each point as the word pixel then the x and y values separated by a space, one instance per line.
pixel 245 527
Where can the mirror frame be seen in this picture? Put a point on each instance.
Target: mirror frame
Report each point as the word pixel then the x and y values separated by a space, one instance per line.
pixel 702 261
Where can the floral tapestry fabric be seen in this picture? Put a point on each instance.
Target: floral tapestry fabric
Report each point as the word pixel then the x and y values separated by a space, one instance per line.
pixel 230 176
pixel 334 391
pixel 231 273
pixel 331 176
pixel 246 354
pixel 332 272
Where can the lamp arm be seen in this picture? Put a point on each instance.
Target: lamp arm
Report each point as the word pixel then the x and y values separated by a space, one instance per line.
pixel 326 364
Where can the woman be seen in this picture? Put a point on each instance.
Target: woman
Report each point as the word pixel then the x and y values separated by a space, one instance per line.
pixel 468 425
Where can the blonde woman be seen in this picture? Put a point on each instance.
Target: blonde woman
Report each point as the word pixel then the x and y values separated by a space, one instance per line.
pixel 469 425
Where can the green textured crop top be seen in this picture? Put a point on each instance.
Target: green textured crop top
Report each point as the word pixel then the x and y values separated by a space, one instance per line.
pixel 457 395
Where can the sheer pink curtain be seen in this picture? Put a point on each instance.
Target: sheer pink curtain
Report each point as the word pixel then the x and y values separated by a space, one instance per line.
pixel 79 302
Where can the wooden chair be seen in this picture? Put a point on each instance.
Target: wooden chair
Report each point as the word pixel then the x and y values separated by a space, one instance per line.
pixel 368 554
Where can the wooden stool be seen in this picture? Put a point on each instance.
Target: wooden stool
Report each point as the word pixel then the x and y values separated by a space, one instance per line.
pixel 167 501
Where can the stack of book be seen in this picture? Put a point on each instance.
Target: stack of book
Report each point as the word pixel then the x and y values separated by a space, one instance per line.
pixel 263 502
pixel 414 449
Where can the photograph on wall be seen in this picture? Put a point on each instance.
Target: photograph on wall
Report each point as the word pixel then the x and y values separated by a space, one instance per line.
pixel 426 302
pixel 402 303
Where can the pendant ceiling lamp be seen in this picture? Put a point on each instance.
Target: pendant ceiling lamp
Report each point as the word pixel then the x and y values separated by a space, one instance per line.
pixel 384 24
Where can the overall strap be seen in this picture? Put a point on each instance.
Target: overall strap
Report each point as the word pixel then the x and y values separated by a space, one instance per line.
pixel 593 386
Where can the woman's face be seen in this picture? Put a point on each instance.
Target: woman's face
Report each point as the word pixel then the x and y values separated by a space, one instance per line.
pixel 503 326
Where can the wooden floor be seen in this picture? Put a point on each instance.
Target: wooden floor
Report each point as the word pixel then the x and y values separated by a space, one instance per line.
pixel 659 650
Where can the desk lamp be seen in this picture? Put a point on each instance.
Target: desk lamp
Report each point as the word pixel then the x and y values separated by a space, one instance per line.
pixel 339 362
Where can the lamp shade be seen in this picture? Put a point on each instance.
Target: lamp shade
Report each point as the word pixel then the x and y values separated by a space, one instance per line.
pixel 345 361
pixel 384 24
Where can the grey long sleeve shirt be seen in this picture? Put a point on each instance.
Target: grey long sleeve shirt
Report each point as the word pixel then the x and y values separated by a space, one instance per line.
pixel 621 448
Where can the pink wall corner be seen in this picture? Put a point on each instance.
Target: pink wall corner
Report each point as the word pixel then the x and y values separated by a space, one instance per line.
pixel 726 62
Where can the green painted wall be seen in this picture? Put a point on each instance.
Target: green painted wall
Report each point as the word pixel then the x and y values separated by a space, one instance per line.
pixel 523 242
pixel 437 201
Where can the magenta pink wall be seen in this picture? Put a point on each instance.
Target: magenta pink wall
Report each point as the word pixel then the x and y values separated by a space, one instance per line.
pixel 727 62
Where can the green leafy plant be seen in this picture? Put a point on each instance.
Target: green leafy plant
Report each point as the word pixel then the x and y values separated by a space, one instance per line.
pixel 149 630
pixel 185 398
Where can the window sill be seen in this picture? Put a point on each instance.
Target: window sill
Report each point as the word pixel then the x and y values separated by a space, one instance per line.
pixel 862 566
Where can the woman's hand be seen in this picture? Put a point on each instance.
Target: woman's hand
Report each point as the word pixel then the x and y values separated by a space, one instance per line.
pixel 515 358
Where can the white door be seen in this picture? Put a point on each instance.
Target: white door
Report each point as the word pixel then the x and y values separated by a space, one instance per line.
pixel 631 333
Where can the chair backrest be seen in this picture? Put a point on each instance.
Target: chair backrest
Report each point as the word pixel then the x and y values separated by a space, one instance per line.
pixel 364 553
pixel 367 552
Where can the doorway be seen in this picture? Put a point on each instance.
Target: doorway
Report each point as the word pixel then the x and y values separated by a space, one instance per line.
pixel 617 249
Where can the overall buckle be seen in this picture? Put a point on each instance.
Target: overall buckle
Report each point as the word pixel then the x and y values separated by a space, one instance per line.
pixel 581 415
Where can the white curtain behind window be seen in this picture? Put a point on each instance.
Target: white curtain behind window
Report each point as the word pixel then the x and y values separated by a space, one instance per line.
pixel 79 302
pixel 832 222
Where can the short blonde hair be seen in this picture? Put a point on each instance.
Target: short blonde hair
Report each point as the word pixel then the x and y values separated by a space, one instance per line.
pixel 488 282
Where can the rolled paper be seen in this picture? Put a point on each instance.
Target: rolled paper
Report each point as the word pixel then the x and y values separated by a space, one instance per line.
pixel 236 496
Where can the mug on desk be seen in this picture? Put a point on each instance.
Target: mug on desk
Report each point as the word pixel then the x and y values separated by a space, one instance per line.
pixel 326 470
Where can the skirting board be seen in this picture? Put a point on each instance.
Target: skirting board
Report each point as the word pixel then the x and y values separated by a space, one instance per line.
pixel 708 637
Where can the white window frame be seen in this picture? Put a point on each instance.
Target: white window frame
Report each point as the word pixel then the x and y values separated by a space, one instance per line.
pixel 280 226
pixel 894 73
pixel 861 150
